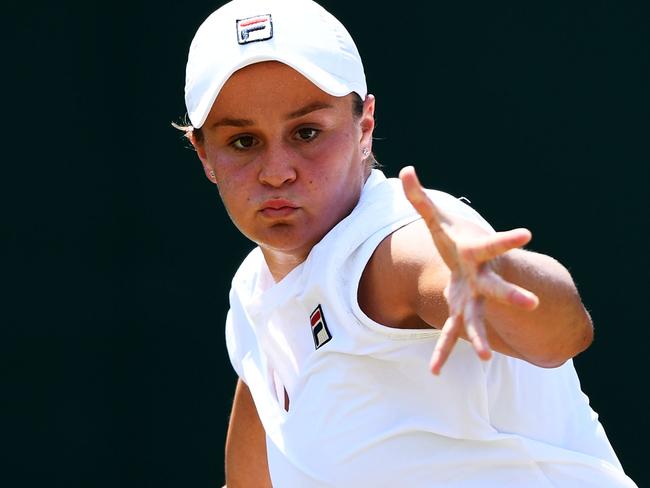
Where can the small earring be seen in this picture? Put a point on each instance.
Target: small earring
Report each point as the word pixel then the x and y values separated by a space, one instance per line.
pixel 365 152
pixel 212 174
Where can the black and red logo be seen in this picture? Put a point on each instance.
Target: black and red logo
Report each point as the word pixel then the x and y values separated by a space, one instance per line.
pixel 252 29
pixel 319 328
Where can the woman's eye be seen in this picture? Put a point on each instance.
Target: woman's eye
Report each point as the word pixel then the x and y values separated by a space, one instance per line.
pixel 244 142
pixel 307 134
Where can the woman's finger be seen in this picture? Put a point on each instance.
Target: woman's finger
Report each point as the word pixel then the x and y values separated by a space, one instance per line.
pixel 493 286
pixel 483 249
pixel 419 199
pixel 435 221
pixel 475 328
pixel 446 341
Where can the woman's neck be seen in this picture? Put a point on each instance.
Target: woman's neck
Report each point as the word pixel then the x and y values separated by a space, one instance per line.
pixel 280 264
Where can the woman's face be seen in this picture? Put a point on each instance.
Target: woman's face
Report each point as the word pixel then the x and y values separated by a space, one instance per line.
pixel 286 156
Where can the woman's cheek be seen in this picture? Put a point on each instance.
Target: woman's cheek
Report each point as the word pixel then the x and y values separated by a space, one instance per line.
pixel 320 152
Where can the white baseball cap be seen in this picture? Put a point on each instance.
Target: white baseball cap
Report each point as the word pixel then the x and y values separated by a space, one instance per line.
pixel 298 33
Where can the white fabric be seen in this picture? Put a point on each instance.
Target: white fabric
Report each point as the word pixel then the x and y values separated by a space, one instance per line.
pixel 364 409
pixel 298 33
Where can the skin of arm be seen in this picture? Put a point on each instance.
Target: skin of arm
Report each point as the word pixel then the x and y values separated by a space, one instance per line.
pixel 246 461
pixel 556 330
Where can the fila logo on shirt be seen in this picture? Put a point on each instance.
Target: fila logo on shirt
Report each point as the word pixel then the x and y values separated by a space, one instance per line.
pixel 319 327
pixel 258 28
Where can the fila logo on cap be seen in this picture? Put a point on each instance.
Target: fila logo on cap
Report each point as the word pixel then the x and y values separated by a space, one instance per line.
pixel 319 328
pixel 252 29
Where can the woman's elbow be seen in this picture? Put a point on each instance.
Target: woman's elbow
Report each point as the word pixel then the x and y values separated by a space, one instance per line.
pixel 576 338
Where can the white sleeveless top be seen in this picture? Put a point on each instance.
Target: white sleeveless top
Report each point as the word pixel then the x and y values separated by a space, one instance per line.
pixel 364 409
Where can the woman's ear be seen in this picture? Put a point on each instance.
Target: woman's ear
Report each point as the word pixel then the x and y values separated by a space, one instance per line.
pixel 200 152
pixel 197 144
pixel 209 174
pixel 367 123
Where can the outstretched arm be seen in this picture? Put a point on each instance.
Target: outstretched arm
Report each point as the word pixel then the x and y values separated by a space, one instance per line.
pixel 451 274
pixel 527 301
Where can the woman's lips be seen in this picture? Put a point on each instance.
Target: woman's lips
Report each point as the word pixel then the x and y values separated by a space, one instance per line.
pixel 277 208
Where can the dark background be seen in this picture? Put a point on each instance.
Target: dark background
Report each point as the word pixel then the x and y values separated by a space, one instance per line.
pixel 118 254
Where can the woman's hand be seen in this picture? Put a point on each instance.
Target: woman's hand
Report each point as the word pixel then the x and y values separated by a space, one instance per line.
pixel 471 255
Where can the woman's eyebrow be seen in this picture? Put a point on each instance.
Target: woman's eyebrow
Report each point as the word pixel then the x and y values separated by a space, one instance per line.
pixel 227 121
pixel 312 107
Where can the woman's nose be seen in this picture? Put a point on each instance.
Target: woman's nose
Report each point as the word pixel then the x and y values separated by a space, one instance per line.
pixel 277 167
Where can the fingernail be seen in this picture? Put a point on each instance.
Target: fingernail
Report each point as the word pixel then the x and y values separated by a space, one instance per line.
pixel 433 364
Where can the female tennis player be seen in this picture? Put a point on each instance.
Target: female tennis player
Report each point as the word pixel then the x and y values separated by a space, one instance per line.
pixel 384 334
